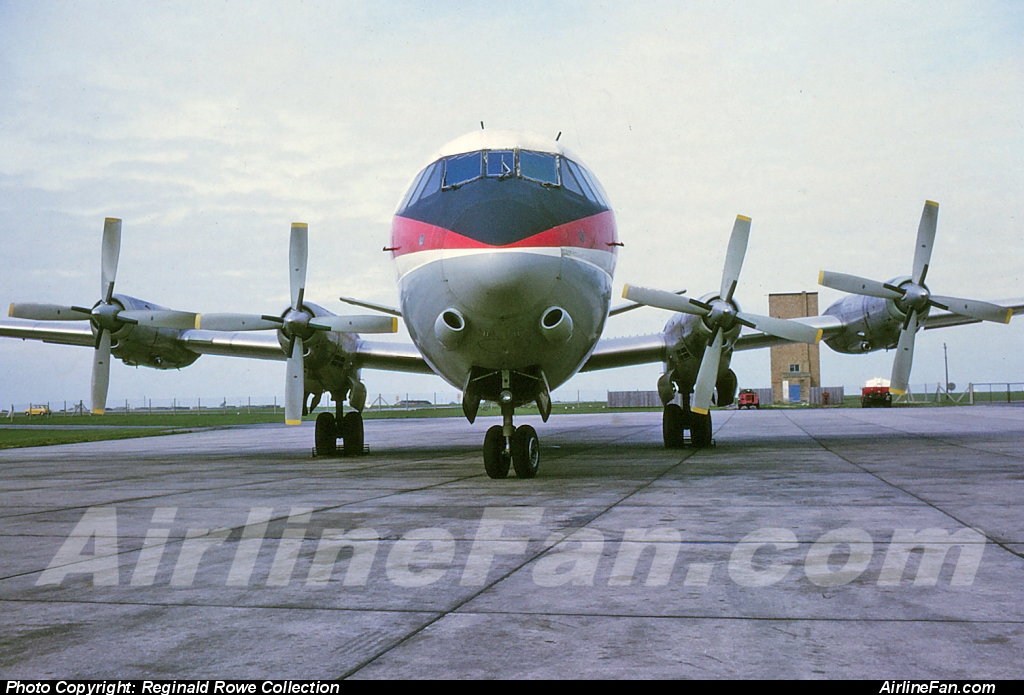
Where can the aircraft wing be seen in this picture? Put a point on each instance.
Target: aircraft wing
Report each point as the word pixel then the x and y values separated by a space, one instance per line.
pixel 393 357
pixel 59 332
pixel 612 353
pixel 260 346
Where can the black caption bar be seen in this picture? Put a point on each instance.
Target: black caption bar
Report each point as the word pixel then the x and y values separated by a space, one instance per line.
pixel 171 687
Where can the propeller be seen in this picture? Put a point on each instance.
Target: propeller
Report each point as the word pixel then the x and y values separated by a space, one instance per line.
pixel 913 298
pixel 721 315
pixel 107 315
pixel 297 324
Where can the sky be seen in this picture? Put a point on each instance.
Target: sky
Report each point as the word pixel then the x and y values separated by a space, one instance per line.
pixel 210 127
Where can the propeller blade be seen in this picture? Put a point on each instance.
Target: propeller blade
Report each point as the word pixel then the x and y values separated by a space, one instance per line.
pixel 925 240
pixel 46 312
pixel 111 251
pixel 294 388
pixel 707 375
pixel 734 257
pixel 783 328
pixel 233 322
pixel 356 324
pixel 664 300
pixel 101 373
pixel 853 284
pixel 298 252
pixel 904 357
pixel 983 311
pixel 160 318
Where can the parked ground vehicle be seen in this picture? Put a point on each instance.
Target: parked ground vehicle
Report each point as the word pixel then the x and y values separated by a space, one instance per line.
pixel 875 397
pixel 37 410
pixel 749 399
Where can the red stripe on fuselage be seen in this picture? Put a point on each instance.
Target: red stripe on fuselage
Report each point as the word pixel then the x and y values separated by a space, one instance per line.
pixel 594 232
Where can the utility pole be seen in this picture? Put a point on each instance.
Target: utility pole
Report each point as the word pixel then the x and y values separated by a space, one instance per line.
pixel 945 359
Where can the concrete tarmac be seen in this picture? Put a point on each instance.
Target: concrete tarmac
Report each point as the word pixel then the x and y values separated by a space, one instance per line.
pixel 838 543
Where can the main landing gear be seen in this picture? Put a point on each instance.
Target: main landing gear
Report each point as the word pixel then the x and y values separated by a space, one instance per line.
pixel 506 446
pixel 348 427
pixel 675 420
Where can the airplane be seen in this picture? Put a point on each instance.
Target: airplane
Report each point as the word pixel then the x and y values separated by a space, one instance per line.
pixel 505 248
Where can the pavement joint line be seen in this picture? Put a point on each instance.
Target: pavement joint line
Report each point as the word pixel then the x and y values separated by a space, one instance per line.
pixel 560 614
pixel 742 618
pixel 824 446
pixel 232 606
pixel 459 604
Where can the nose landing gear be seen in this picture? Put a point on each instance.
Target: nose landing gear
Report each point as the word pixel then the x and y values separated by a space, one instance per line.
pixel 507 446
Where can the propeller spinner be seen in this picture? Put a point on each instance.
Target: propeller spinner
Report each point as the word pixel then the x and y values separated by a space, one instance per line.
pixel 721 315
pixel 913 298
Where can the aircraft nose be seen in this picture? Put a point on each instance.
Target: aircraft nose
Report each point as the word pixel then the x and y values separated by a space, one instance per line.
pixel 501 283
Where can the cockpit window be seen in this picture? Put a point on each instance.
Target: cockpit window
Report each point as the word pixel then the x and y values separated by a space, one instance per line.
pixel 602 199
pixel 547 169
pixel 501 163
pixel 569 180
pixel 462 168
pixel 431 182
pixel 577 174
pixel 538 166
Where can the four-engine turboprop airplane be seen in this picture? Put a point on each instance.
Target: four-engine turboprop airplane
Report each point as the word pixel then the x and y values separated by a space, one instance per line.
pixel 505 248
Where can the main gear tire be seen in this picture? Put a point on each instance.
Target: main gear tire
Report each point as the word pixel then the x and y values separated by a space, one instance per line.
pixel 326 436
pixel 352 433
pixel 673 426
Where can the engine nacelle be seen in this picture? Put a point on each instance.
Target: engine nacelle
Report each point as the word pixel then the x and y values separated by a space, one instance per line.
pixel 870 323
pixel 145 346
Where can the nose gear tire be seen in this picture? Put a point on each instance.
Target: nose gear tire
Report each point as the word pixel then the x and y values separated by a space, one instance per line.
pixel 496 454
pixel 525 451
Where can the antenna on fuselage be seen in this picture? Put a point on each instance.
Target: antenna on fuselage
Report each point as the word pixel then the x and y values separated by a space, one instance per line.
pixel 558 136
pixel 481 125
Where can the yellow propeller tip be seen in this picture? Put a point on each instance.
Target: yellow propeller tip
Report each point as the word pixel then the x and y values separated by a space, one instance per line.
pixel 817 338
pixel 199 319
pixel 932 203
pixel 897 392
pixel 293 422
pixel 699 411
pixel 394 324
pixel 98 411
pixel 1009 314
pixel 625 289
pixel 743 218
pixel 301 225
pixel 112 219
pixel 821 277
pixel 10 310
